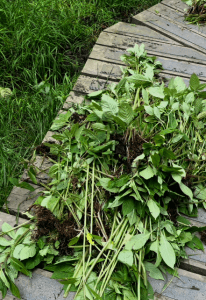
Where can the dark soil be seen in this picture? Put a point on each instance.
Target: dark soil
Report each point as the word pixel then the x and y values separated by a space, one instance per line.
pixel 203 236
pixel 128 149
pixel 76 118
pixel 48 225
pixel 45 150
pixel 172 212
pixel 197 11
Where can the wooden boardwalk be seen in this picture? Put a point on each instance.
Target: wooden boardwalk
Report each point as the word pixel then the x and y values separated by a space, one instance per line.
pixel 181 48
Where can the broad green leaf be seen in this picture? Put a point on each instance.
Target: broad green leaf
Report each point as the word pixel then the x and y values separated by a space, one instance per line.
pixel 95 94
pixel 18 265
pixel 137 241
pixel 24 185
pixel 5 242
pixel 139 80
pixel 194 82
pixel 167 252
pixel 17 251
pixel 104 183
pixel 154 208
pixel 157 91
pixel 190 98
pixel 128 205
pixel 132 217
pixel 154 272
pixel 126 257
pixel 31 263
pixel 187 191
pixel 28 251
pixel 198 243
pixel 14 289
pixel 109 104
pixel 4 279
pixel 32 175
pixel 155 159
pixel 6 227
pixel 126 113
pixel 149 110
pixel 147 173
pixel 157 113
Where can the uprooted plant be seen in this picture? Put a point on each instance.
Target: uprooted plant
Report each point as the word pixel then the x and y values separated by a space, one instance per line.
pixel 196 13
pixel 128 164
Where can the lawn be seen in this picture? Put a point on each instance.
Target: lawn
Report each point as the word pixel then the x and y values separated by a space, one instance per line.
pixel 43 47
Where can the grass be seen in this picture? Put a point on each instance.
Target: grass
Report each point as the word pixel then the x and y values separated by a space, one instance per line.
pixel 43 46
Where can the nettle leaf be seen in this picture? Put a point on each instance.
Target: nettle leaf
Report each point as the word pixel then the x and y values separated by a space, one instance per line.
pixel 139 80
pixel 126 257
pixel 194 82
pixel 28 251
pixel 147 173
pixel 104 183
pixel 154 209
pixel 154 272
pixel 149 110
pixel 18 265
pixel 128 206
pixel 157 91
pixel 187 191
pixel 167 252
pixel 109 104
pixel 17 250
pixel 6 227
pixel 137 241
pixel 126 113
pixel 4 279
pixel 132 217
pixel 5 242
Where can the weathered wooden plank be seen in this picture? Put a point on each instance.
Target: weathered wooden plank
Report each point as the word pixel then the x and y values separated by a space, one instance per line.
pixel 176 17
pixel 139 32
pixel 174 31
pixel 153 48
pixel 176 4
pixel 189 286
pixel 20 199
pixel 43 164
pixel 170 66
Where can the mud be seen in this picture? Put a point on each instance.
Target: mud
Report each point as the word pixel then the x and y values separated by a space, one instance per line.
pixel 48 225
pixel 45 150
pixel 203 236
pixel 76 118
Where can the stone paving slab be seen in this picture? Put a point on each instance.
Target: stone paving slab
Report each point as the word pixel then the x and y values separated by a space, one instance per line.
pixel 21 199
pixel 39 287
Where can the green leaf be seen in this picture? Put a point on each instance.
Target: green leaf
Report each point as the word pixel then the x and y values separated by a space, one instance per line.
pixel 104 183
pixel 132 217
pixel 4 279
pixel 147 173
pixel 126 113
pixel 157 91
pixel 32 175
pixel 155 159
pixel 31 263
pixel 17 250
pixel 194 82
pixel 187 191
pixel 6 227
pixel 167 252
pixel 5 242
pixel 198 243
pixel 28 251
pixel 154 209
pixel 154 272
pixel 14 289
pixel 18 265
pixel 149 110
pixel 128 205
pixel 94 293
pixel 126 257
pixel 137 241
pixel 23 185
pixel 3 289
pixel 109 105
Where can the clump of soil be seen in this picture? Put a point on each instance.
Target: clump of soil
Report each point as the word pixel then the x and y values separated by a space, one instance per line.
pixel 48 225
pixel 203 236
pixel 76 118
pixel 172 212
pixel 196 13
pixel 127 149
pixel 45 150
